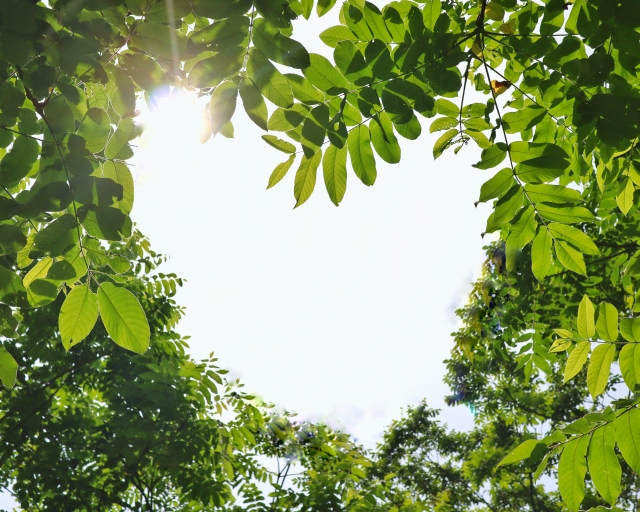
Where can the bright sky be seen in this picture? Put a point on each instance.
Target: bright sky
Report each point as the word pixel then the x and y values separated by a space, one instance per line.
pixel 342 314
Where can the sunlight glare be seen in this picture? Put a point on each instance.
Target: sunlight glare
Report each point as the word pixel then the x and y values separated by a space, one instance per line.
pixel 171 135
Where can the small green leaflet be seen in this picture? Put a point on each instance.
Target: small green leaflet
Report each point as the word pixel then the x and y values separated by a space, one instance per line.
pixel 8 368
pixel 280 171
pixel 279 144
pixel 630 365
pixel 572 469
pixel 628 437
pixel 579 239
pixel 334 165
pixel 604 468
pixel 541 253
pixel 522 451
pixel 123 318
pixel 599 368
pixel 497 185
pixel 624 198
pixel 576 360
pixel 607 321
pixel 570 258
pixel 254 104
pixel 361 154
pixel 305 180
pixel 325 76
pixel 78 315
pixel 586 314
pixel 443 142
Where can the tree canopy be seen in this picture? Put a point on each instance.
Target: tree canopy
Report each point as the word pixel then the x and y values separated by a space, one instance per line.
pixel 559 117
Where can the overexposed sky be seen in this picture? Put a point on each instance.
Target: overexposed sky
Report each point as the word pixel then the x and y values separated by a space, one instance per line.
pixel 342 314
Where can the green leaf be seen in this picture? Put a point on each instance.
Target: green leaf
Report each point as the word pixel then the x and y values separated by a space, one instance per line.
pixel 333 35
pixel 525 119
pixel 104 222
pixel 213 70
pixel 541 254
pixel 447 108
pixel 168 10
pixel 314 130
pixel 281 49
pixel 324 6
pixel 522 230
pixel 522 451
pixel 351 63
pixel 118 146
pixel 630 364
pixel 303 90
pixel 120 174
pixel 8 368
pixel 565 214
pixel 220 35
pixel 59 118
pixel 599 368
pixel 280 171
pixel 492 156
pixel 305 180
pixel 506 208
pixel 443 142
pixel 361 154
pixel 12 291
pixel 624 198
pixel 161 40
pixel 121 92
pixel 431 12
pixel 254 104
pixel 279 144
pixel 17 163
pixel 577 238
pixel 586 321
pixel 94 129
pixel 628 437
pixel 334 166
pixel 552 193
pixel 325 76
pixel 284 120
pixel 78 315
pixel 268 80
pixel 219 9
pixel 442 123
pixel 123 318
pixel 497 185
pixel 572 469
pixel 576 360
pixel 607 321
pixel 604 468
pixel 12 239
pixel 222 105
pixel 383 139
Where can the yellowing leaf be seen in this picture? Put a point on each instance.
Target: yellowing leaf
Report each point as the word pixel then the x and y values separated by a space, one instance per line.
pixel 576 360
pixel 604 468
pixel 599 368
pixel 123 318
pixel 78 315
pixel 586 314
pixel 607 321
pixel 572 469
pixel 624 198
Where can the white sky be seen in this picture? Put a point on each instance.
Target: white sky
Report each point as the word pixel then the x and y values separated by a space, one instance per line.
pixel 342 314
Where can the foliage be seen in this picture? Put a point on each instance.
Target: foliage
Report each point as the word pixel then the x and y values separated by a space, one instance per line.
pixel 568 135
